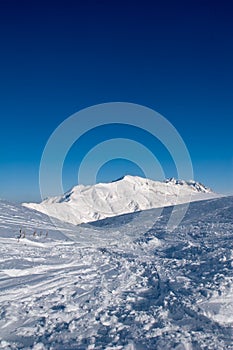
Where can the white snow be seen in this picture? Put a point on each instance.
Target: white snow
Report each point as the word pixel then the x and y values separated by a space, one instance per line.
pixel 114 285
pixel 130 194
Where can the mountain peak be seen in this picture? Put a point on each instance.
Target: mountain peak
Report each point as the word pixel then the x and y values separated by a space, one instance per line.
pixel 198 186
pixel 119 179
pixel 126 195
pixel 128 177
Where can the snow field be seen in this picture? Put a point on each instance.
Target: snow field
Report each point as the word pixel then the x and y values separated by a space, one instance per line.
pixel 113 285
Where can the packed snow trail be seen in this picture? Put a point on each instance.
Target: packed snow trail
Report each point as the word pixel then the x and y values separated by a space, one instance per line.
pixel 114 284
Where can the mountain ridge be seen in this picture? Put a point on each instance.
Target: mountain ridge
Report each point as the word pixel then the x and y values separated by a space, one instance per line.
pixel 128 194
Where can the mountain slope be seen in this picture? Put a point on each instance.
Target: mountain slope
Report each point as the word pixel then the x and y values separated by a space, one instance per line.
pixel 130 194
pixel 119 285
pixel 15 217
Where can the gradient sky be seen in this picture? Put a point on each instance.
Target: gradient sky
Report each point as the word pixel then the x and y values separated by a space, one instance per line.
pixel 58 57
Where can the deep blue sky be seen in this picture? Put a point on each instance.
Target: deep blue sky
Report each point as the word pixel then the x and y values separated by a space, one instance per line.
pixel 58 57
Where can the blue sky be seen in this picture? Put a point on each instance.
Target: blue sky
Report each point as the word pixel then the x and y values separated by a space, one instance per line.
pixel 59 57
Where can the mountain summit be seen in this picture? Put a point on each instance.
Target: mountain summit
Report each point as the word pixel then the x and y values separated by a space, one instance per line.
pixel 126 195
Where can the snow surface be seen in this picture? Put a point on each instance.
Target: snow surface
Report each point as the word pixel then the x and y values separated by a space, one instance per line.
pixel 113 284
pixel 129 194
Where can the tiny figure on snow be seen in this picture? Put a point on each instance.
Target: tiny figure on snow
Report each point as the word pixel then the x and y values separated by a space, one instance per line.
pixel 20 235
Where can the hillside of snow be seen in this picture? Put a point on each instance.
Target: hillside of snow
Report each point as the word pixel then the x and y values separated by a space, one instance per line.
pixel 130 194
pixel 118 283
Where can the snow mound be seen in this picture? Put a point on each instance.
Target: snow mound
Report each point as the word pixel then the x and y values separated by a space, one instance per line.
pixel 126 195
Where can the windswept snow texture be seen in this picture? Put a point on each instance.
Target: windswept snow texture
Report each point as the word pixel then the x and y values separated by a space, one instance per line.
pixel 127 195
pixel 114 284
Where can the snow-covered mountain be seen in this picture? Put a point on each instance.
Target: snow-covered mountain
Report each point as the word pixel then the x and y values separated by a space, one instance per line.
pixel 129 194
pixel 105 285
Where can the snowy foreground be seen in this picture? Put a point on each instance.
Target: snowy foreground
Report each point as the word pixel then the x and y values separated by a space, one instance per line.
pixel 118 283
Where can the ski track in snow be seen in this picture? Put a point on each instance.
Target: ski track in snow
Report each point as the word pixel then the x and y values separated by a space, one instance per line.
pixel 115 285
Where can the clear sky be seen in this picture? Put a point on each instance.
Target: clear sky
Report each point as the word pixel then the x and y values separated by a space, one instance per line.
pixel 58 57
